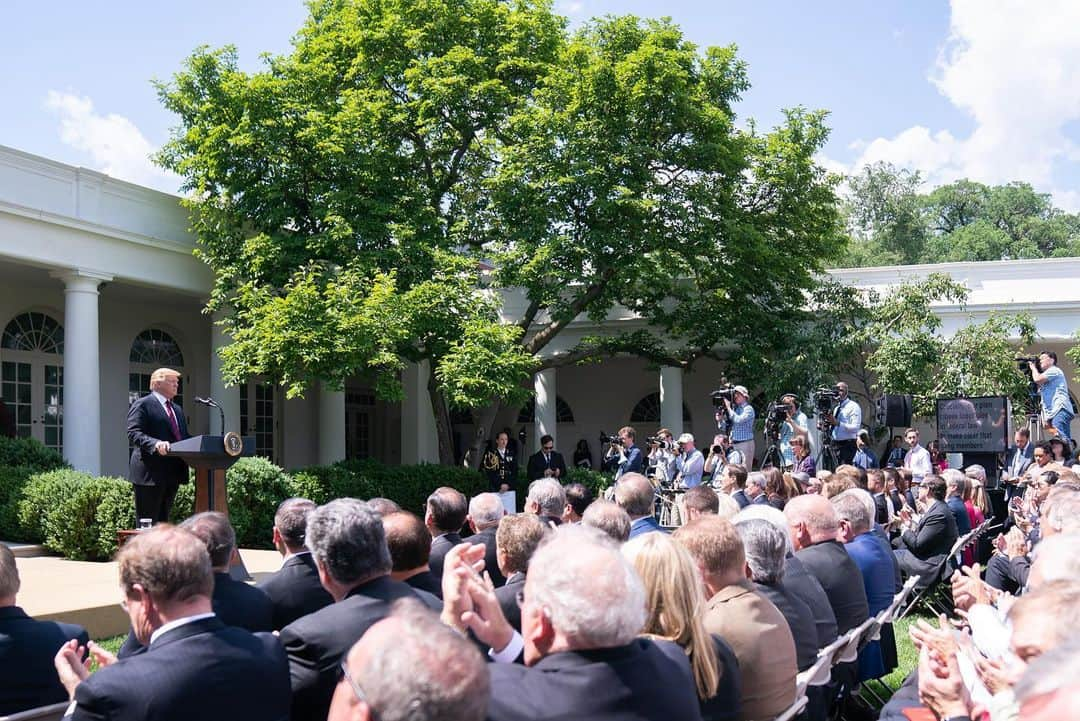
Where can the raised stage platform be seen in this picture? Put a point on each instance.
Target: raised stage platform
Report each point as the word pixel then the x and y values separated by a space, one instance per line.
pixel 89 593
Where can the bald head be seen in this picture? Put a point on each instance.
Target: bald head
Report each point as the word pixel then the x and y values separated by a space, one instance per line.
pixel 811 519
pixel 634 493
pixel 608 517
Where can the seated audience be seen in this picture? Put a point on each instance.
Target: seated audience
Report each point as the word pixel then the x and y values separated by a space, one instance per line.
pixel 409 544
pixel 875 561
pixel 294 590
pixel 410 666
pixel 348 542
pixel 383 506
pixel 195 666
pixel 797 579
pixel 609 517
pixel 27 648
pixel 955 482
pixel 675 598
pixel 1049 690
pixel 776 493
pixel 444 516
pixel 578 498
pixel 837 484
pixel 235 602
pixel 755 487
pixel 924 544
pixel 875 484
pixel 1008 569
pixel 700 500
pixel 516 541
pixel 635 494
pixel 546 499
pixel 485 512
pixel 746 620
pixel 582 610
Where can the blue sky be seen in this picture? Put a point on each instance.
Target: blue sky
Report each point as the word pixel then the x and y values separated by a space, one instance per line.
pixel 988 89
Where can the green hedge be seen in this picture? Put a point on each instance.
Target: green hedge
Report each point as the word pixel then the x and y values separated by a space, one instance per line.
pixel 76 514
pixel 20 458
pixel 30 453
pixel 595 481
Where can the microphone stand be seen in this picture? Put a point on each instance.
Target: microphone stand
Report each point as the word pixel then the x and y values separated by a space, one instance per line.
pixel 211 402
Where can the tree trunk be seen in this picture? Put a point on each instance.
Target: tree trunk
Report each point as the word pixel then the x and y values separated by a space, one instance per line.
pixel 483 422
pixel 443 429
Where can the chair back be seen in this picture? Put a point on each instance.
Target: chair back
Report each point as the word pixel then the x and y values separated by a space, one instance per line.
pixel 52 712
pixel 794 709
pixel 821 672
pixel 854 644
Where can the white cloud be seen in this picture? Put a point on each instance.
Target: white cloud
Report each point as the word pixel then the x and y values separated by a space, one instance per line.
pixel 115 145
pixel 570 7
pixel 1014 67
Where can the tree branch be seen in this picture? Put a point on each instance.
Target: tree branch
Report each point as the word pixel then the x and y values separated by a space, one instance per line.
pixel 545 336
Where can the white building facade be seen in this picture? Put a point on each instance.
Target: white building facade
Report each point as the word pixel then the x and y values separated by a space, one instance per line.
pixel 99 285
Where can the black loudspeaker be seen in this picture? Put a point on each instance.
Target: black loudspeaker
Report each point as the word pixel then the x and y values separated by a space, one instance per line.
pixel 894 411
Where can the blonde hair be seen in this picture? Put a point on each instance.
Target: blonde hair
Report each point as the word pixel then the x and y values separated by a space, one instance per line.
pixel 675 598
pixel 162 374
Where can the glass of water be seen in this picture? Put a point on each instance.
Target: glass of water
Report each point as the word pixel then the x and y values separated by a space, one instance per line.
pixel 145 524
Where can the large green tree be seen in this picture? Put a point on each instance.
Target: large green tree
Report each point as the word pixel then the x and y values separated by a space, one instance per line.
pixel 366 200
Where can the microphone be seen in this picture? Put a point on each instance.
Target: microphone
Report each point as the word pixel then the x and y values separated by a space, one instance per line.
pixel 208 401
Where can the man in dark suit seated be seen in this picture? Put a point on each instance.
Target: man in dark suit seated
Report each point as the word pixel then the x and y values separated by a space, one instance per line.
pixel 813 524
pixel 410 545
pixel 348 543
pixel 154 422
pixel 444 516
pixel 582 609
pixel 235 602
pixel 733 483
pixel 546 499
pixel 516 542
pixel 294 590
pixel 195 667
pixel 923 545
pixel 635 494
pixel 547 462
pixel 485 512
pixel 27 648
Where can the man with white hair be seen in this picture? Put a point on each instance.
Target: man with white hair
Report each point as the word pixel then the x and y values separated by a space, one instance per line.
pixel 796 578
pixel 411 666
pixel 1049 690
pixel 635 494
pixel 582 609
pixel 485 512
pixel 690 462
pixel 755 488
pixel 546 499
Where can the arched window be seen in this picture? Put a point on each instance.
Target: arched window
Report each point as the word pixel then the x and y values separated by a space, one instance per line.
pixel 153 349
pixel 32 376
pixel 647 410
pixel 563 414
pixel 34 332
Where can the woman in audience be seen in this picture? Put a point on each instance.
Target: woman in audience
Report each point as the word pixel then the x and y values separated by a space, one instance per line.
pixel 969 490
pixel 937 458
pixel 1060 451
pixel 775 491
pixel 675 597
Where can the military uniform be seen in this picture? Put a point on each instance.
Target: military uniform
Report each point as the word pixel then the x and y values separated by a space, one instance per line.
pixel 499 468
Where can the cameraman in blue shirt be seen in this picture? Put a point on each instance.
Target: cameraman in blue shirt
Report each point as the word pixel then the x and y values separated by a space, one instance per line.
pixel 1054 391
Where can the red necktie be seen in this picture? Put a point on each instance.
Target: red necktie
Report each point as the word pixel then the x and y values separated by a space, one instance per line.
pixel 172 421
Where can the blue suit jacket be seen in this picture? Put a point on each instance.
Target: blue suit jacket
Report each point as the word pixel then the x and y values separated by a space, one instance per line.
pixel 959 512
pixel 644 525
pixel 876 565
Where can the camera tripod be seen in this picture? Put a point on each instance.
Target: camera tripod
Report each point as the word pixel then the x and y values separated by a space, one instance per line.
pixel 773 456
pixel 827 459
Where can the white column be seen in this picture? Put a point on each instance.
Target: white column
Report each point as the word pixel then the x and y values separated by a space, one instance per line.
pixel 545 417
pixel 671 401
pixel 82 369
pixel 419 440
pixel 228 397
pixel 331 425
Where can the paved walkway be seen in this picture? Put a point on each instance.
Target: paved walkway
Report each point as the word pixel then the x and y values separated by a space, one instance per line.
pixel 89 593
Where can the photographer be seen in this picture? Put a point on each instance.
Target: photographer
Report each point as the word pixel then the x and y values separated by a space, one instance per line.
pixel 847 421
pixel 741 414
pixel 622 455
pixel 720 455
pixel 796 425
pixel 1054 391
pixel 690 462
pixel 662 455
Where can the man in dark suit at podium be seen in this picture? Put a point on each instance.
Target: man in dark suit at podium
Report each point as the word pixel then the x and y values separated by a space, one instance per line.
pixel 547 462
pixel 154 423
pixel 295 589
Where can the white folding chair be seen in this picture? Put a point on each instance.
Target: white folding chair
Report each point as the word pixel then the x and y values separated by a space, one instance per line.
pixel 855 638
pixel 794 709
pixel 52 712
pixel 821 672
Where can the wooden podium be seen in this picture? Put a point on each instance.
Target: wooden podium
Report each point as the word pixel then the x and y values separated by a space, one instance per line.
pixel 210 457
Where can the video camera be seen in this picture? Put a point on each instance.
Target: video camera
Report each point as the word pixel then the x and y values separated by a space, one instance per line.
pixel 825 399
pixel 775 417
pixel 726 391
pixel 663 443
pixel 614 440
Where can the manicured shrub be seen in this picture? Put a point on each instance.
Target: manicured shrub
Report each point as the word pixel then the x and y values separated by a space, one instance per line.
pixel 595 481
pixel 76 514
pixel 30 453
pixel 12 482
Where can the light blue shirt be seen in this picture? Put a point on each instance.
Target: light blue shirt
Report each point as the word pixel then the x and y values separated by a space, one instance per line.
pixel 848 420
pixel 690 467
pixel 742 423
pixel 1055 392
pixel 787 433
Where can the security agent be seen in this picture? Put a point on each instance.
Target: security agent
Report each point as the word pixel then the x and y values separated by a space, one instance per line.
pixel 847 417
